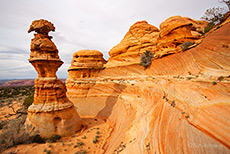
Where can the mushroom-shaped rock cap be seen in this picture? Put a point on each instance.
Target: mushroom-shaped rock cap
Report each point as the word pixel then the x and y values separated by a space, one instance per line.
pixel 87 59
pixel 41 26
pixel 172 23
pixel 89 53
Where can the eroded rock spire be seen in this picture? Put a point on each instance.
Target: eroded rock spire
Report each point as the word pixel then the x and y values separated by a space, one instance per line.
pixel 51 112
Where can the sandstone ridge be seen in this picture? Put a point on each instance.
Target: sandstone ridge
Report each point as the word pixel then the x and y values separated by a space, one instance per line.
pixel 180 104
pixel 142 36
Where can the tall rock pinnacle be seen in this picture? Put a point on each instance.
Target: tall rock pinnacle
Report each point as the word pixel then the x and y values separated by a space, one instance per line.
pixel 51 112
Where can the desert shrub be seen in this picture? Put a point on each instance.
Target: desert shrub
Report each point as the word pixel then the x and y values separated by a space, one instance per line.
pixel 220 78
pixel 95 140
pixel 48 152
pixel 208 27
pixel 80 143
pixel 37 139
pixel 28 100
pixel 146 58
pixel 84 137
pixel 214 82
pixel 173 104
pixel 54 138
pixel 186 116
pixel 186 44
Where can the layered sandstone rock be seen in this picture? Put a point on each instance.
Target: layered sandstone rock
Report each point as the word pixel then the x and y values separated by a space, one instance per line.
pixel 180 104
pixel 142 36
pixel 51 112
pixel 86 63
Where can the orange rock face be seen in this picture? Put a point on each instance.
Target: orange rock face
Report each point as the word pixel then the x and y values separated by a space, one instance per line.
pixel 142 36
pixel 51 112
pixel 86 63
pixel 180 104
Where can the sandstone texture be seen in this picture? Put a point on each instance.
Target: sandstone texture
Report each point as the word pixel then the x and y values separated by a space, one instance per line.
pixel 86 64
pixel 180 104
pixel 142 36
pixel 51 112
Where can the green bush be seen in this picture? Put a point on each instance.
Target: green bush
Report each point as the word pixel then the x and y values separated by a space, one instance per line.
pixel 220 78
pixel 186 44
pixel 54 138
pixel 80 143
pixel 48 152
pixel 146 58
pixel 208 27
pixel 28 100
pixel 214 82
pixel 95 140
pixel 38 139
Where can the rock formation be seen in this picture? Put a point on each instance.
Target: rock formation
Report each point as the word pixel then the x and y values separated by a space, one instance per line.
pixel 51 112
pixel 86 64
pixel 142 36
pixel 180 104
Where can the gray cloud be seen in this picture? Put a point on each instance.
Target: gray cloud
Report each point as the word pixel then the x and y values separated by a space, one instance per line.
pixel 80 24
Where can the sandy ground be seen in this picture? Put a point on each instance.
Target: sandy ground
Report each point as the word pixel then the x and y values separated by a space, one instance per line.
pixel 81 142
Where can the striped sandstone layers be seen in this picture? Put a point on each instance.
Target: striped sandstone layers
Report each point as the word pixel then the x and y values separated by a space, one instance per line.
pixel 51 112
pixel 180 104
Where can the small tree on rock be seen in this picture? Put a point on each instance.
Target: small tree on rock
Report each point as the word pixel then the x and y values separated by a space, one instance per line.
pixel 214 15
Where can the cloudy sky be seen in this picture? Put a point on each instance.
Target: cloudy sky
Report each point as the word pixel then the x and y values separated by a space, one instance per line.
pixel 80 24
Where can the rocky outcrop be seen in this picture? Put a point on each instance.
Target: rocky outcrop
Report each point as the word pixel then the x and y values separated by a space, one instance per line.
pixel 180 104
pixel 51 112
pixel 86 64
pixel 142 36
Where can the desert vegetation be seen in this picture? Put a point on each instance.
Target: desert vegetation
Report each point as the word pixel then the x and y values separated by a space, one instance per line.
pixel 14 92
pixel 13 131
pixel 146 58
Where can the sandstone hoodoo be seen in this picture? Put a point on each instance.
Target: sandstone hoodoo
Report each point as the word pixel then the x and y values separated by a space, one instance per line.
pixel 51 112
pixel 86 64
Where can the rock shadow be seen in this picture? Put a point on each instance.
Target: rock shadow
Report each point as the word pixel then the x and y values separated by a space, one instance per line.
pixel 111 101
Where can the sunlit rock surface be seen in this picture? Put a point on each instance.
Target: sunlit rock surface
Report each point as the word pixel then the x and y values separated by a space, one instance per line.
pixel 180 104
pixel 51 112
